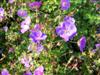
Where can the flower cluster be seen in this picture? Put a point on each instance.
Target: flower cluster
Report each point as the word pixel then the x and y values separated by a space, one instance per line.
pixel 66 30
pixel 38 71
pixel 25 25
pixel 37 36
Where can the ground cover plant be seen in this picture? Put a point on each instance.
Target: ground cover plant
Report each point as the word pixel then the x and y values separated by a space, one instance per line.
pixel 49 37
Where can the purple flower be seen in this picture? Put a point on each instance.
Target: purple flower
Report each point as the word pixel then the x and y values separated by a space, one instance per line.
pixel 37 27
pixel 35 5
pixel 94 50
pixel 11 1
pixel 39 48
pixel 94 1
pixel 11 50
pixel 5 28
pixel 26 61
pixel 82 43
pixel 39 71
pixel 36 35
pixel 1 14
pixel 27 73
pixel 69 19
pixel 67 29
pixel 22 13
pixel 97 45
pixel 5 72
pixel 25 24
pixel 65 4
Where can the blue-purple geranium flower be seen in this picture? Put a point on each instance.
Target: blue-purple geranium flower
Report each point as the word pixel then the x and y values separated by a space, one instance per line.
pixel 26 61
pixel 65 4
pixel 69 19
pixel 39 48
pixel 35 5
pixel 82 43
pixel 27 73
pixel 94 1
pixel 67 29
pixel 39 71
pixel 5 28
pixel 22 13
pixel 94 50
pixel 11 1
pixel 5 72
pixel 1 13
pixel 37 35
pixel 25 25
pixel 36 46
pixel 97 45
